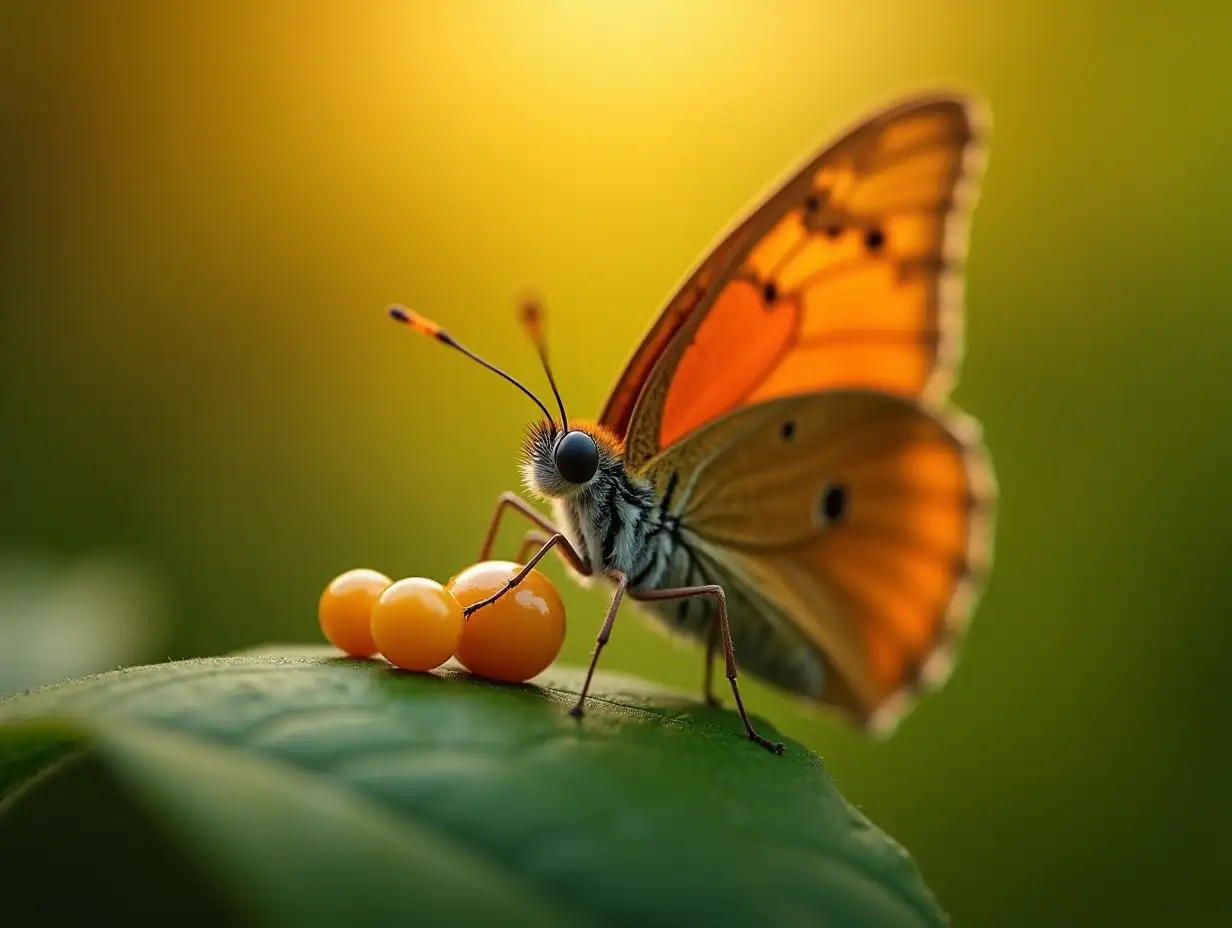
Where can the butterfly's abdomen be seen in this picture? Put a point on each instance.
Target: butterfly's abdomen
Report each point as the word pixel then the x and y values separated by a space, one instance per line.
pixel 765 647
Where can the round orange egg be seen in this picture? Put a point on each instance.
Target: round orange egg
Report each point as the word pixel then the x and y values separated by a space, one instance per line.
pixel 519 635
pixel 416 624
pixel 344 610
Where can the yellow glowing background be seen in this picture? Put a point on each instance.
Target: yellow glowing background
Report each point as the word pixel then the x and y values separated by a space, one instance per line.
pixel 206 207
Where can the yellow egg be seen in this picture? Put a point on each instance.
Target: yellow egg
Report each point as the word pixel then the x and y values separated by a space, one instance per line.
pixel 416 624
pixel 519 635
pixel 344 610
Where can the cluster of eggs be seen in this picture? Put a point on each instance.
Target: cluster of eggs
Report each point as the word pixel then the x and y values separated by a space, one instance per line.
pixel 418 624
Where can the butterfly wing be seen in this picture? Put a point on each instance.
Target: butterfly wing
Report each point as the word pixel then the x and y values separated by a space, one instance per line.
pixel 850 526
pixel 847 275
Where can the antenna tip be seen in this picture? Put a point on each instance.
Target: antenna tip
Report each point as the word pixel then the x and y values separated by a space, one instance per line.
pixel 417 322
pixel 531 311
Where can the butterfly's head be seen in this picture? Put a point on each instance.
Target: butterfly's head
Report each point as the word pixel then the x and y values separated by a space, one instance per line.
pixel 558 460
pixel 558 463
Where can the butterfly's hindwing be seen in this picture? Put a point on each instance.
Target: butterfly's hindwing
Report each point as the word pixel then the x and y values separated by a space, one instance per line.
pixel 855 526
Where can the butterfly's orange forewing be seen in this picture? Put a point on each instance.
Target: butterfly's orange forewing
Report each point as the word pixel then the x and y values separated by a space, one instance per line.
pixel 845 276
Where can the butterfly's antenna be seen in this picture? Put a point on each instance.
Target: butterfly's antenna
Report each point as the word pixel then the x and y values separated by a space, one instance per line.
pixel 425 326
pixel 532 320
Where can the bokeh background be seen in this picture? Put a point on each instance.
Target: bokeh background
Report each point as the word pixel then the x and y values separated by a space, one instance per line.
pixel 204 209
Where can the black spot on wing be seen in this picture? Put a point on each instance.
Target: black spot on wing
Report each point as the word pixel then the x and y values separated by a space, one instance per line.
pixel 833 503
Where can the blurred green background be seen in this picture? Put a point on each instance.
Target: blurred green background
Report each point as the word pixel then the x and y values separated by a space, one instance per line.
pixel 206 208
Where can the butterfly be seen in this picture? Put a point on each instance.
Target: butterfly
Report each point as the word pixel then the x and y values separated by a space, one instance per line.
pixel 777 472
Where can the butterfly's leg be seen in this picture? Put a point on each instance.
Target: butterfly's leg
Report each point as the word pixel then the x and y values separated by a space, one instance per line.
pixel 531 541
pixel 605 632
pixel 512 501
pixel 729 653
pixel 712 640
pixel 556 540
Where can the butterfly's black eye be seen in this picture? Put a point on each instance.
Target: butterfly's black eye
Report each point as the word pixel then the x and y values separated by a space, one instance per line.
pixel 577 457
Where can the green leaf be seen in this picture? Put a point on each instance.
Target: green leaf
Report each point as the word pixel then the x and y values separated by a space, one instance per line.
pixel 305 789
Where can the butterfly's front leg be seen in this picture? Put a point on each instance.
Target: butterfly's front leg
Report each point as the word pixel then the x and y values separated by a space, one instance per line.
pixel 548 536
pixel 557 540
pixel 729 653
